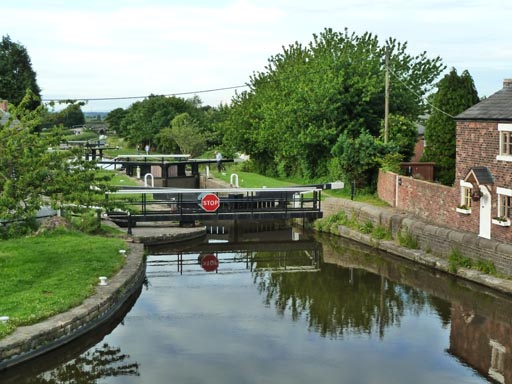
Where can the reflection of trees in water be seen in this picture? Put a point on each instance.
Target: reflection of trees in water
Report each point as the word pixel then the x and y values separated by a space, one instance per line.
pixel 337 300
pixel 90 367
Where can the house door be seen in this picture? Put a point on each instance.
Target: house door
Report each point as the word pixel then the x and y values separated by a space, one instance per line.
pixel 485 213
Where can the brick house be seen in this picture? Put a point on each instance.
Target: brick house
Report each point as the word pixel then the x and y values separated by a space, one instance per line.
pixel 484 165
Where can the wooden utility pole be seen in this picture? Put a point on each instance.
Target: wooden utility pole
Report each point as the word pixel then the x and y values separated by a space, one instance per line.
pixel 386 98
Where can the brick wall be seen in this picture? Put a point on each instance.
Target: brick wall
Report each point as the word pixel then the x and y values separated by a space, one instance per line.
pixel 433 203
pixel 386 187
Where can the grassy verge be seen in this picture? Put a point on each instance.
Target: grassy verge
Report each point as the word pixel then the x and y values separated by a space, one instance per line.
pixel 254 180
pixel 46 275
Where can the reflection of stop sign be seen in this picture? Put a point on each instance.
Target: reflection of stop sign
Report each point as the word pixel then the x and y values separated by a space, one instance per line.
pixel 210 202
pixel 209 263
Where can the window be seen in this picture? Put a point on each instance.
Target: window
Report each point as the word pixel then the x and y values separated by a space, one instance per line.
pixel 504 203
pixel 504 206
pixel 465 195
pixel 506 144
pixel 505 151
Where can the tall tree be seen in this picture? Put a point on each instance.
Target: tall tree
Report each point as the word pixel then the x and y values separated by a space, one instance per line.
pixel 185 131
pixel 145 119
pixel 114 119
pixel 293 114
pixel 16 73
pixel 454 95
pixel 70 116
pixel 403 135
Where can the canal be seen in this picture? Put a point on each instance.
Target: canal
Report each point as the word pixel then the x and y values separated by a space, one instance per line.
pixel 280 305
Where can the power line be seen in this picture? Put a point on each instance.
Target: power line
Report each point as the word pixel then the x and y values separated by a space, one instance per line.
pixel 143 97
pixel 419 96
pixel 229 88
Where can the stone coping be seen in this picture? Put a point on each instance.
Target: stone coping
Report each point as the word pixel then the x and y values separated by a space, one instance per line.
pixel 422 257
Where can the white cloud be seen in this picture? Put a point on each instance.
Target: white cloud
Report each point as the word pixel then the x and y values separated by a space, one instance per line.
pixel 132 48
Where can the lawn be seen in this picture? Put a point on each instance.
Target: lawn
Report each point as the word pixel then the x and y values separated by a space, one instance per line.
pixel 254 180
pixel 45 275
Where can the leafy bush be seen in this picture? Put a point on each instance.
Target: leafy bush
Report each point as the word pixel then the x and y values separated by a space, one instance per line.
pixel 331 223
pixel 381 233
pixel 16 229
pixel 88 222
pixel 486 266
pixel 367 227
pixel 456 261
pixel 408 240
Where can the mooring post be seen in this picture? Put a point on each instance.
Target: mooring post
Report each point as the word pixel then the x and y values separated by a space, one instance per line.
pixel 129 223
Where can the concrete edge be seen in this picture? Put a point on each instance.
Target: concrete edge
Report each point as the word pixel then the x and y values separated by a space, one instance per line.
pixel 422 257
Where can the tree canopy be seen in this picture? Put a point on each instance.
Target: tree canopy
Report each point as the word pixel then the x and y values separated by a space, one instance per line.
pixel 145 119
pixel 34 172
pixel 70 116
pixel 309 96
pixel 455 93
pixel 16 74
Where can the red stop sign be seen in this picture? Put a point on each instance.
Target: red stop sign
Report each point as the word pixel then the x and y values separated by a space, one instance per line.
pixel 209 263
pixel 210 202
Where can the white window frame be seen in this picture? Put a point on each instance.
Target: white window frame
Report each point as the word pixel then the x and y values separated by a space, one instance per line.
pixel 465 199
pixel 505 130
pixel 498 352
pixel 503 192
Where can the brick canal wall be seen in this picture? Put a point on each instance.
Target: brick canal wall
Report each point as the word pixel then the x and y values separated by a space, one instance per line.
pixel 432 239
pixel 31 341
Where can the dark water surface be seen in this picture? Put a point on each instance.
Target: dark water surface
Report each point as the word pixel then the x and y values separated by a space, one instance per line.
pixel 278 310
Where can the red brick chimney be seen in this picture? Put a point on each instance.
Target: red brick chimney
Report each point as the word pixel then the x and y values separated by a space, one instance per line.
pixel 3 105
pixel 507 83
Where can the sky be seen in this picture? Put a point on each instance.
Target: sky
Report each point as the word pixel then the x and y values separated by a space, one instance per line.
pixel 97 49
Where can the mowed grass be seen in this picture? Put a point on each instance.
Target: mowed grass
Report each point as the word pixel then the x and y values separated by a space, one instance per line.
pixel 46 275
pixel 254 180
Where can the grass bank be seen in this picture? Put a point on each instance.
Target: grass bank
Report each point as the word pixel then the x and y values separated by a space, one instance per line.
pixel 42 276
pixel 254 180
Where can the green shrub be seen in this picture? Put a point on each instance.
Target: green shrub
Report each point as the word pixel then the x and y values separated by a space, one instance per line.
pixel 88 222
pixel 408 240
pixel 456 261
pixel 367 227
pixel 486 266
pixel 381 233
pixel 17 229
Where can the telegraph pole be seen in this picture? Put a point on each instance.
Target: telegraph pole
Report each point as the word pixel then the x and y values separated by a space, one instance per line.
pixel 386 98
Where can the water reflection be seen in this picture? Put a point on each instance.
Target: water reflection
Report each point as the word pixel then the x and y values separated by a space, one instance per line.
pixel 359 303
pixel 297 308
pixel 99 363
pixel 480 319
pixel 483 343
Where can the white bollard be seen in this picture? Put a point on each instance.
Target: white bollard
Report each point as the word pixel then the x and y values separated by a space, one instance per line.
pixel 4 319
pixel 103 280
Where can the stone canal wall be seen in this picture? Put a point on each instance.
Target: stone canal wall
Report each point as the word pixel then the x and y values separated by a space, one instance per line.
pixel 432 239
pixel 31 341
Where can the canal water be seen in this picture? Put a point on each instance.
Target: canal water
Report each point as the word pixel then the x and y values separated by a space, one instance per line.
pixel 285 306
